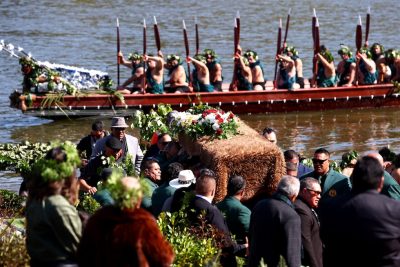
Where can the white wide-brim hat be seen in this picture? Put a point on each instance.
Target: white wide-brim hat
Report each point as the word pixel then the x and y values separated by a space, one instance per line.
pixel 185 179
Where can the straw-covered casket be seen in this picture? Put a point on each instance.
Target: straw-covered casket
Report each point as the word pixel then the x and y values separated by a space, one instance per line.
pixel 247 154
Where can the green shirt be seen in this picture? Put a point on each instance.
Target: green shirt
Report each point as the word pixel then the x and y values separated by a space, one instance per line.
pixel 160 195
pixel 146 200
pixel 237 217
pixel 53 229
pixel 390 187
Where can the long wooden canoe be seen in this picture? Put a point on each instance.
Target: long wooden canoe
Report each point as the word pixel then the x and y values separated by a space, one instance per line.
pixel 240 102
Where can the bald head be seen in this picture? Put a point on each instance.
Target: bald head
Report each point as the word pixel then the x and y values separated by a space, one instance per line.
pixel 377 156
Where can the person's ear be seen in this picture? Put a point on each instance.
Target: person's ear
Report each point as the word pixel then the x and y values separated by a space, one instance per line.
pixel 380 186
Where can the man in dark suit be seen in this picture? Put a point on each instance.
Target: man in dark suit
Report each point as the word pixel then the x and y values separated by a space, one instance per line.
pixel 275 227
pixel 202 205
pixel 369 222
pixel 307 201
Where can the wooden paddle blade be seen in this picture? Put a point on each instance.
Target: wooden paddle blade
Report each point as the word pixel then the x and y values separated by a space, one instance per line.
pixel 144 37
pixel 314 19
pixel 118 50
pixel 238 26
pixel 359 34
pixel 279 41
pixel 157 35
pixel 197 36
pixel 287 26
pixel 235 37
pixel 186 41
pixel 367 25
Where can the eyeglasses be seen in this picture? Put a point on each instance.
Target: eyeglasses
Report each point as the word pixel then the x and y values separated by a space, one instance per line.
pixel 314 191
pixel 319 161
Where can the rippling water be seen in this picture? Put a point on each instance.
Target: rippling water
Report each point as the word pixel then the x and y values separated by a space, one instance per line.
pixel 82 33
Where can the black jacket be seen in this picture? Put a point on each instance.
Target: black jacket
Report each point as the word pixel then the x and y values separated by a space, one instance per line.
pixel 310 238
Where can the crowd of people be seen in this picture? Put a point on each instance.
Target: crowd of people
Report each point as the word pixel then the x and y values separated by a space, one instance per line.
pixel 316 217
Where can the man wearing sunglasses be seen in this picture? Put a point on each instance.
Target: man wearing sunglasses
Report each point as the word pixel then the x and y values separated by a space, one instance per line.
pixel 306 202
pixel 333 184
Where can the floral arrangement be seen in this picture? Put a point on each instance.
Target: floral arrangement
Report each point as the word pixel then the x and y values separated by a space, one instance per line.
pixel 196 122
pixel 202 121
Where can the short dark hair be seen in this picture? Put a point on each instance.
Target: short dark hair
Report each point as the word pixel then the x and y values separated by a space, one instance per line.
pixel 147 163
pixel 268 130
pixel 387 154
pixel 172 171
pixel 367 174
pixel 307 182
pixel 98 126
pixel 322 151
pixel 207 172
pixel 205 184
pixel 236 184
pixel 290 154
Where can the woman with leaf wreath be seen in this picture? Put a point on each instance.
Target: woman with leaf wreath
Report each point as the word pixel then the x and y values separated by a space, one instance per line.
pixel 124 234
pixel 53 226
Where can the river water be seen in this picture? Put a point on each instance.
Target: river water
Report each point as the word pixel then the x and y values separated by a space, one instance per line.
pixel 82 33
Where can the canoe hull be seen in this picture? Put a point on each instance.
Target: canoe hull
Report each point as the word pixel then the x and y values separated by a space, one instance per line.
pixel 240 102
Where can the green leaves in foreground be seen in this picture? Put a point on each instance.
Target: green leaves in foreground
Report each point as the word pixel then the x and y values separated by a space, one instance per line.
pixel 192 248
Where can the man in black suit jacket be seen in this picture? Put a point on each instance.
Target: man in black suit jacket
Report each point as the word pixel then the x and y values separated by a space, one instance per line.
pixel 202 204
pixel 369 222
pixel 275 227
pixel 309 196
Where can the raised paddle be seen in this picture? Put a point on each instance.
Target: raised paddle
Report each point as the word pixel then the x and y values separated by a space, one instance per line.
pixel 233 85
pixel 197 36
pixel 118 58
pixel 157 35
pixel 237 30
pixel 287 27
pixel 358 44
pixel 314 19
pixel 316 51
pixel 185 39
pixel 144 53
pixel 367 26
pixel 278 50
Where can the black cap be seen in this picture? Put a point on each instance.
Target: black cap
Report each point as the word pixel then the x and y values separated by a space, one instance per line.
pixel 114 143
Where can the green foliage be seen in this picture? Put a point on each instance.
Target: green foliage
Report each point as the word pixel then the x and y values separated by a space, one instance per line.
pixel 12 247
pixel 53 170
pixel 20 157
pixel 88 204
pixel 192 247
pixel 153 122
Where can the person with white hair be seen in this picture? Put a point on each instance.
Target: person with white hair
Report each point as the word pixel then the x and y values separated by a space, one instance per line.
pixel 275 227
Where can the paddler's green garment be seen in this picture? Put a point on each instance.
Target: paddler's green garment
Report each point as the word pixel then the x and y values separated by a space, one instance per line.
pixel 243 83
pixel 322 80
pixel 155 88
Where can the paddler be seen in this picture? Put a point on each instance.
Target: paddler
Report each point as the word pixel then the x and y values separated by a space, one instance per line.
pixel 177 75
pixel 326 68
pixel 136 63
pixel 243 73
pixel 155 73
pixel 367 73
pixel 389 63
pixel 291 52
pixel 346 69
pixel 200 74
pixel 214 67
pixel 257 70
pixel 287 73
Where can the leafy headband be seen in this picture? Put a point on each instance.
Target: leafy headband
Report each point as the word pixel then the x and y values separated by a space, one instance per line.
pixel 51 170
